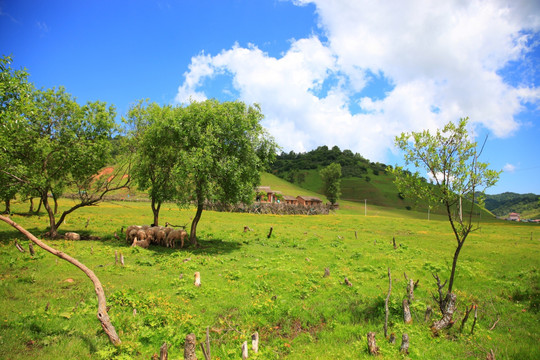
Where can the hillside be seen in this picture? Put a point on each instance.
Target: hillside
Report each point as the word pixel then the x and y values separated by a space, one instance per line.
pixel 527 205
pixel 362 181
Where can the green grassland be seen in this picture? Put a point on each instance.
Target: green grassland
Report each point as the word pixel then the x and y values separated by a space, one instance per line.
pixel 274 286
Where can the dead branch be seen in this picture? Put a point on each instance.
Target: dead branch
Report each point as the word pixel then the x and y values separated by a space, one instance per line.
pixel 19 247
pixel 440 300
pixel 102 314
pixel 495 324
pixel 465 318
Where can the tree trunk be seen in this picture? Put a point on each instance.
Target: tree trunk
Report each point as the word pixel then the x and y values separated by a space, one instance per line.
pixel 8 206
pixel 255 342
pixel 454 265
pixel 55 198
pixel 31 205
pixel 39 205
pixel 164 352
pixel 245 354
pixel 193 233
pixel 449 308
pixel 102 314
pixel 372 345
pixel 53 229
pixel 155 211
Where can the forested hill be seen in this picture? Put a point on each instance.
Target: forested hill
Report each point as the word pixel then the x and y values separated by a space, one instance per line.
pixel 525 204
pixel 290 166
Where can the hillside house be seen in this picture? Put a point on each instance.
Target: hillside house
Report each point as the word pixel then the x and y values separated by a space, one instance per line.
pixel 513 216
pixel 308 200
pixel 290 200
pixel 266 195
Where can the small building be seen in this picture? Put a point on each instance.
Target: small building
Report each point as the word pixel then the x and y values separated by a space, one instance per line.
pixel 513 216
pixel 266 195
pixel 290 200
pixel 308 200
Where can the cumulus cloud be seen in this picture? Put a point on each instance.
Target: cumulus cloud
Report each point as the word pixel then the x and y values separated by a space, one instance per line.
pixel 443 60
pixel 509 168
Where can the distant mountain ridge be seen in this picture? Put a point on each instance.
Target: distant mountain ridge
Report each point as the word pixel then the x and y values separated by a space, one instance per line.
pixel 527 205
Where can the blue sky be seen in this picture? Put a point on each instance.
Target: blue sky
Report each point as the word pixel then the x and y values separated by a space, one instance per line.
pixel 350 73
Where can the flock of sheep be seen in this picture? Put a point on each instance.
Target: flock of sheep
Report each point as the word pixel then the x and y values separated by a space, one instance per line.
pixel 145 235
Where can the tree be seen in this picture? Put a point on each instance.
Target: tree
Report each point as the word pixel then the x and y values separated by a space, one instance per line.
pixel 224 148
pixel 156 152
pixel 451 160
pixel 331 176
pixel 15 91
pixel 52 143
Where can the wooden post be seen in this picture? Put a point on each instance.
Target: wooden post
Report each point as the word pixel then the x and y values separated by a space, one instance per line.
pixel 386 304
pixel 255 342
pixel 270 233
pixel 407 318
pixel 355 235
pixel 244 350
pixel 404 344
pixel 122 259
pixel 197 279
pixel 164 352
pixel 189 347
pixel 371 343
pixel 394 241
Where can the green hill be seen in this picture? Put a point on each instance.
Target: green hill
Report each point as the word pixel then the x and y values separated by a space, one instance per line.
pixel 527 205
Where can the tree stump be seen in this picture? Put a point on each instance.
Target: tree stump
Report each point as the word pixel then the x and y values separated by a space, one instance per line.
pixel 189 347
pixel 371 343
pixel 244 350
pixel 326 272
pixel 164 352
pixel 31 249
pixel 122 259
pixel 410 290
pixel 386 304
pixel 404 349
pixel 255 342
pixel 197 279
pixel 407 318
pixel 448 313
pixel 347 282
pixel 392 338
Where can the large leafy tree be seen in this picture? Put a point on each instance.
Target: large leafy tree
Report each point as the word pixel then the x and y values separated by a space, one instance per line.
pixel 331 177
pixel 458 180
pixel 157 151
pixel 15 93
pixel 51 143
pixel 224 149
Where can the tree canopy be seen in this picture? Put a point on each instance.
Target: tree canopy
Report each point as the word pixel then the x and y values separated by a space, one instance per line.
pixel 451 160
pixel 331 176
pixel 50 142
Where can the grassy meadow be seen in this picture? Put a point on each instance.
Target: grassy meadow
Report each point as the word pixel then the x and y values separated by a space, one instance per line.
pixel 274 286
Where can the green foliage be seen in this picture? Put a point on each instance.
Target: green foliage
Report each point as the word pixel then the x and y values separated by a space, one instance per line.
pixel 51 142
pixel 331 176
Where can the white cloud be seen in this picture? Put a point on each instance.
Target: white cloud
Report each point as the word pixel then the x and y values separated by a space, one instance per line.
pixel 509 168
pixel 437 55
